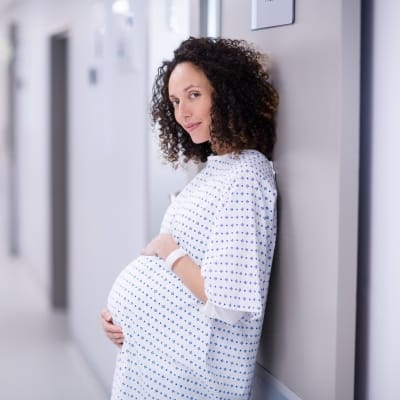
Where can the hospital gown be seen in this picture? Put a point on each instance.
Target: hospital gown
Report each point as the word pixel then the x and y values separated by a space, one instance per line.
pixel 175 347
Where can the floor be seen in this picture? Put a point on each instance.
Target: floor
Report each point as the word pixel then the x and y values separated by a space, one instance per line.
pixel 38 360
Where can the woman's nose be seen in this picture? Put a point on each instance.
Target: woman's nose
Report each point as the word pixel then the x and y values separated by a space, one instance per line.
pixel 184 110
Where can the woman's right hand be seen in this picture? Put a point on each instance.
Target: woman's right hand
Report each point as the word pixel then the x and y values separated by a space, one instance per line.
pixel 113 332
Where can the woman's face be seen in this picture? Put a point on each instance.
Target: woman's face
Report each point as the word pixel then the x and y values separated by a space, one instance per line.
pixel 190 93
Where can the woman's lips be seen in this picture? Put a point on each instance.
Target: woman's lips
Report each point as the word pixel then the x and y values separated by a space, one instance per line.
pixel 192 127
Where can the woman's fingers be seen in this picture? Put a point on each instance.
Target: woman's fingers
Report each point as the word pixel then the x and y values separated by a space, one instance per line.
pixel 113 332
pixel 106 315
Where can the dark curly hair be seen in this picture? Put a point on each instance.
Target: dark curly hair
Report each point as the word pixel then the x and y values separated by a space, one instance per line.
pixel 244 103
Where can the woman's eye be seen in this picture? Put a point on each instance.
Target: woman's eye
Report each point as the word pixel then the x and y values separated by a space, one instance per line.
pixel 193 95
pixel 174 103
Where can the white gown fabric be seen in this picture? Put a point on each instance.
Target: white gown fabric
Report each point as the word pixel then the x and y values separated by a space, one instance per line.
pixel 175 347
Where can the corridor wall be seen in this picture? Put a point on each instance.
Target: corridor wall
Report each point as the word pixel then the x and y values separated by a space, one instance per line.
pixel 108 124
pixel 308 340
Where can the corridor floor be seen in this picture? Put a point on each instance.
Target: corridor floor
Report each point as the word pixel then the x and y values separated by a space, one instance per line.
pixel 38 361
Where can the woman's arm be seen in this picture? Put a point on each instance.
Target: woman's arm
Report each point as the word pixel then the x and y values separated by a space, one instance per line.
pixel 185 267
pixel 189 272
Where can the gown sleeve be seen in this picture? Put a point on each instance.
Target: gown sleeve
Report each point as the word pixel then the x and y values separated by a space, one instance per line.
pixel 237 263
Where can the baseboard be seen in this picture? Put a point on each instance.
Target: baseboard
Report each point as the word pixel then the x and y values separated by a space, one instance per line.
pixel 266 387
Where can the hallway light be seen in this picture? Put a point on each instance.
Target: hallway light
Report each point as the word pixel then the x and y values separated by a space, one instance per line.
pixel 121 7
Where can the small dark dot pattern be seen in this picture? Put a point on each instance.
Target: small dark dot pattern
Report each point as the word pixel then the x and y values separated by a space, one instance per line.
pixel 225 219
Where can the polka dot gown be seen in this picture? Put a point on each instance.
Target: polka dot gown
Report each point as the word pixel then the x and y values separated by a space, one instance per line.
pixel 225 219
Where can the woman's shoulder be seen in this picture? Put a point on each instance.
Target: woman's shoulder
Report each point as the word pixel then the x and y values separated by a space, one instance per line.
pixel 240 168
pixel 247 172
pixel 252 163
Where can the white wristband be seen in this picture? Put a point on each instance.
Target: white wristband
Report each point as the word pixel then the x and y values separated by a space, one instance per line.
pixel 173 256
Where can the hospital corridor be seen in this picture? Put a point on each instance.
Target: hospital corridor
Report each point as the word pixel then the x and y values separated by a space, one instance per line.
pixel 39 360
pixel 84 188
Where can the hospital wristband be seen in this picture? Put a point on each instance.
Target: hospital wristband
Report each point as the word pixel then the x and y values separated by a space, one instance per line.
pixel 174 256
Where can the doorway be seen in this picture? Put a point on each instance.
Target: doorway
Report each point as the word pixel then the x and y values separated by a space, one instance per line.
pixel 59 169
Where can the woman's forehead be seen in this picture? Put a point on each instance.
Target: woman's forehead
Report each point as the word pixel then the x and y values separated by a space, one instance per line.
pixel 186 76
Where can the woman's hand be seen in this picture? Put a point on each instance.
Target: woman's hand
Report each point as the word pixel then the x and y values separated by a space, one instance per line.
pixel 162 245
pixel 185 268
pixel 113 332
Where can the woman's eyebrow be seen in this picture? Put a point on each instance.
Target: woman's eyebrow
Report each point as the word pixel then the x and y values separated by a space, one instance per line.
pixel 191 86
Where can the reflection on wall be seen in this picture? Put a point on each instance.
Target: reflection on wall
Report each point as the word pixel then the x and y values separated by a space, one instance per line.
pixel 169 25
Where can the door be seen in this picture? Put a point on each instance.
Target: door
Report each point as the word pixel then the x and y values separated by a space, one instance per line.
pixel 59 168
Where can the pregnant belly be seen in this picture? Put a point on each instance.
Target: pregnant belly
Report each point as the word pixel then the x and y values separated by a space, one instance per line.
pixel 130 287
pixel 146 286
pixel 155 310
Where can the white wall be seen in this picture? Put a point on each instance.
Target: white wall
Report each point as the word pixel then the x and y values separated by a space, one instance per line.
pixel 36 20
pixel 309 332
pixel 384 273
pixel 108 126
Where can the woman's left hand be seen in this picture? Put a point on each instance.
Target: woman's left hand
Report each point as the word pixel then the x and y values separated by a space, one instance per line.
pixel 162 245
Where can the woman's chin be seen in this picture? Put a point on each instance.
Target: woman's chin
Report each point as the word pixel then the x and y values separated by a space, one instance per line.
pixel 197 140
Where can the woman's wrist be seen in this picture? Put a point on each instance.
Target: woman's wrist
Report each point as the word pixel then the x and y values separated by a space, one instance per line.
pixel 174 256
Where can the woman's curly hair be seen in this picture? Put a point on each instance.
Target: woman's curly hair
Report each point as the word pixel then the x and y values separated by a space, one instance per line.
pixel 244 103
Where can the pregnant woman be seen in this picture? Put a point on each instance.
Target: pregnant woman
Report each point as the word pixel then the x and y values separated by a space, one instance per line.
pixel 187 313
